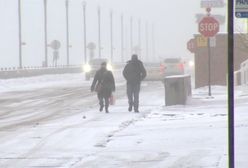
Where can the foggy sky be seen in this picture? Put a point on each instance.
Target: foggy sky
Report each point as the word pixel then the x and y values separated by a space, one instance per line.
pixel 174 23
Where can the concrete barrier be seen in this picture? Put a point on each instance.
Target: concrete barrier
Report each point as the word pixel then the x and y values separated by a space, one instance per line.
pixel 7 73
pixel 177 89
pixel 27 72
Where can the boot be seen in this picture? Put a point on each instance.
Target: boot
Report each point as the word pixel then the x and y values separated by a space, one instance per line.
pixel 130 107
pixel 106 110
pixel 101 108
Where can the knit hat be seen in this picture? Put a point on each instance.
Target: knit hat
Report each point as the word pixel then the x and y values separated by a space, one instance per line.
pixel 103 64
pixel 134 57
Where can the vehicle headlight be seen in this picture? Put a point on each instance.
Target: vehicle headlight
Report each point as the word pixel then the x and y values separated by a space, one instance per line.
pixel 86 68
pixel 109 67
pixel 191 63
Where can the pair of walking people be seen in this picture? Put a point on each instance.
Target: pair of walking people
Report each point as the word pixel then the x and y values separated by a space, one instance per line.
pixel 134 72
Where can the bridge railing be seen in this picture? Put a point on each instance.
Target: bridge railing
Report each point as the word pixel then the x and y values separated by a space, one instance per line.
pixel 7 73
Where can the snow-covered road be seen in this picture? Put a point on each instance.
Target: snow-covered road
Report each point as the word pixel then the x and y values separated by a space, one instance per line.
pixel 55 123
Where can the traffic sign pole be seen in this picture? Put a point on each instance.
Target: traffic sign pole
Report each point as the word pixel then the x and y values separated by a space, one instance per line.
pixel 209 27
pixel 209 69
pixel 231 130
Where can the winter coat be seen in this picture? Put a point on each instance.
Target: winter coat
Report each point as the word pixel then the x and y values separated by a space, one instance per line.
pixel 134 72
pixel 106 79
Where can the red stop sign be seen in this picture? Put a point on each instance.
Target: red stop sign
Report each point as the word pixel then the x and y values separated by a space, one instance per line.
pixel 191 45
pixel 208 26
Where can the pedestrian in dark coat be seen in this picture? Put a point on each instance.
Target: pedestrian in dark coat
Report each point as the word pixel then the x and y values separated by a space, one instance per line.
pixel 134 72
pixel 104 85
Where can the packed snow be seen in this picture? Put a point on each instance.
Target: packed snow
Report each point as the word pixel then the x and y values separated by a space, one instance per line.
pixel 53 121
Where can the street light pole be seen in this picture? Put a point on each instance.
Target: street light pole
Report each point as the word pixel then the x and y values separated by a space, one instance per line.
pixel 111 35
pixel 85 42
pixel 20 33
pixel 45 32
pixel 153 42
pixel 147 43
pixel 131 34
pixel 122 38
pixel 99 31
pixel 139 36
pixel 67 32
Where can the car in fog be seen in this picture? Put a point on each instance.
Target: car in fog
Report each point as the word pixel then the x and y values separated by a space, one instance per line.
pixel 172 66
pixel 93 65
pixel 153 72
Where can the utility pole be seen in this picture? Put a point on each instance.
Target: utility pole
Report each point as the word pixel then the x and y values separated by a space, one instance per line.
pixel 85 41
pixel 111 36
pixel 99 31
pixel 122 38
pixel 20 33
pixel 67 33
pixel 45 33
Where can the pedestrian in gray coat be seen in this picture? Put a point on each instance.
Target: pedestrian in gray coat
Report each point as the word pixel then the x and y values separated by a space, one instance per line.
pixel 134 72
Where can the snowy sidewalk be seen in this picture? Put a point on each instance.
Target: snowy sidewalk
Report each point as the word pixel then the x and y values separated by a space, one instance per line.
pixel 191 136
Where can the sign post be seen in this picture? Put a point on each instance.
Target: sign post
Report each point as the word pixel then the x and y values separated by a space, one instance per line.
pixel 231 130
pixel 209 27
